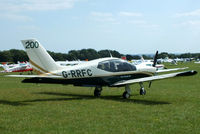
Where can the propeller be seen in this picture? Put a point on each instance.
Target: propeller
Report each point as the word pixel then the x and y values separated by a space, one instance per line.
pixel 154 65
pixel 155 59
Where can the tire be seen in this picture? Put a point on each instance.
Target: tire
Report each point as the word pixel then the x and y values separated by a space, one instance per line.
pixel 126 95
pixel 142 92
pixel 97 93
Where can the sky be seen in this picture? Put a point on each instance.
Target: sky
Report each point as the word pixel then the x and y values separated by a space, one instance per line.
pixel 128 26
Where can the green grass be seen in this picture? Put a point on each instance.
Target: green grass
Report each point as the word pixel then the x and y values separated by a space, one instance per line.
pixel 171 106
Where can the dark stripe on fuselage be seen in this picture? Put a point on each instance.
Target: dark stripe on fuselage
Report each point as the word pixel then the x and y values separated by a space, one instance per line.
pixel 92 81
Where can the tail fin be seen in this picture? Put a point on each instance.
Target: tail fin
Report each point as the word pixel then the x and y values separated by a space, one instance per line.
pixel 39 58
pixel 5 67
pixel 142 59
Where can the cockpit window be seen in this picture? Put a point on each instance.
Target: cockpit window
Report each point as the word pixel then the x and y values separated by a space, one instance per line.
pixel 149 65
pixel 116 66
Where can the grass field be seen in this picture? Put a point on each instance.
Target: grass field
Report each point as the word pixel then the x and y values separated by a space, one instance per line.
pixel 171 106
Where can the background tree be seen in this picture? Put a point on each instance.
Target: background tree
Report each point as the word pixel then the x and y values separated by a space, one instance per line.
pixel 15 55
pixel 18 55
pixel 5 56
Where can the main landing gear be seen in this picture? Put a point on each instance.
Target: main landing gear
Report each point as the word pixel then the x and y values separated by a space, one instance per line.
pixel 127 92
pixel 97 91
pixel 142 90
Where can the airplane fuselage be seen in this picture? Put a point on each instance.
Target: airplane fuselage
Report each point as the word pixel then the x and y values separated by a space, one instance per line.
pixel 104 72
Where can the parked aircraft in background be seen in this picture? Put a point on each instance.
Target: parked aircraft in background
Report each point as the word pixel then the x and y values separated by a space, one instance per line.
pixel 142 62
pixel 112 72
pixel 179 60
pixel 20 67
pixel 167 60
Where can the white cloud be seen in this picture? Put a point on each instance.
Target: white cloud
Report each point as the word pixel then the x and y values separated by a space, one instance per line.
pixel 143 24
pixel 193 23
pixel 13 9
pixel 35 5
pixel 101 14
pixel 115 19
pixel 106 19
pixel 130 14
pixel 137 22
pixel 15 17
pixel 29 28
pixel 187 14
pixel 103 17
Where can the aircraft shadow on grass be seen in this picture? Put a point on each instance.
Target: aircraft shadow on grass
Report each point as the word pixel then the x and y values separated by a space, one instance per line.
pixel 12 103
pixel 112 97
pixel 81 97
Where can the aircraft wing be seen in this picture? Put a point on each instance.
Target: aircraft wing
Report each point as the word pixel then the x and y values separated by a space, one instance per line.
pixel 152 78
pixel 34 76
pixel 168 70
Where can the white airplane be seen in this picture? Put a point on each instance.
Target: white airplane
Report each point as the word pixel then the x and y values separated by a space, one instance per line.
pixel 20 67
pixel 112 72
pixel 143 63
pixel 179 60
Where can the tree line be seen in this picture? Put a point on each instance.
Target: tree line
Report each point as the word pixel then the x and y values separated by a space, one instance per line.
pixel 14 55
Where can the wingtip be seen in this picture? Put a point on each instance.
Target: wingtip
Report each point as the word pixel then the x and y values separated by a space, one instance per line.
pixel 188 73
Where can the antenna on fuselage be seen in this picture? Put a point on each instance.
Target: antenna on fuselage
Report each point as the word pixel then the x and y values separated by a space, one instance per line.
pixel 110 54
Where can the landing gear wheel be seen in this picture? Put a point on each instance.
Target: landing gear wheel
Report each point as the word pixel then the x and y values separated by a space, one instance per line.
pixel 97 93
pixel 126 95
pixel 142 92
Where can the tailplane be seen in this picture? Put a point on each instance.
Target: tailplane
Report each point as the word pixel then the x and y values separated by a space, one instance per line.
pixel 39 58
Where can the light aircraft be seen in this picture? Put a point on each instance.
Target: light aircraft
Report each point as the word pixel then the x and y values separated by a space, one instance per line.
pixel 158 66
pixel 142 63
pixel 112 72
pixel 20 67
pixel 167 60
pixel 179 60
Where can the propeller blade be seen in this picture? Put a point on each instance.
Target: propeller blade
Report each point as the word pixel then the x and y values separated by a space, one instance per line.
pixel 155 59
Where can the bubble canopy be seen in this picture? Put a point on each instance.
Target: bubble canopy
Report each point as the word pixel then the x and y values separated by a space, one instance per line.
pixel 116 65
